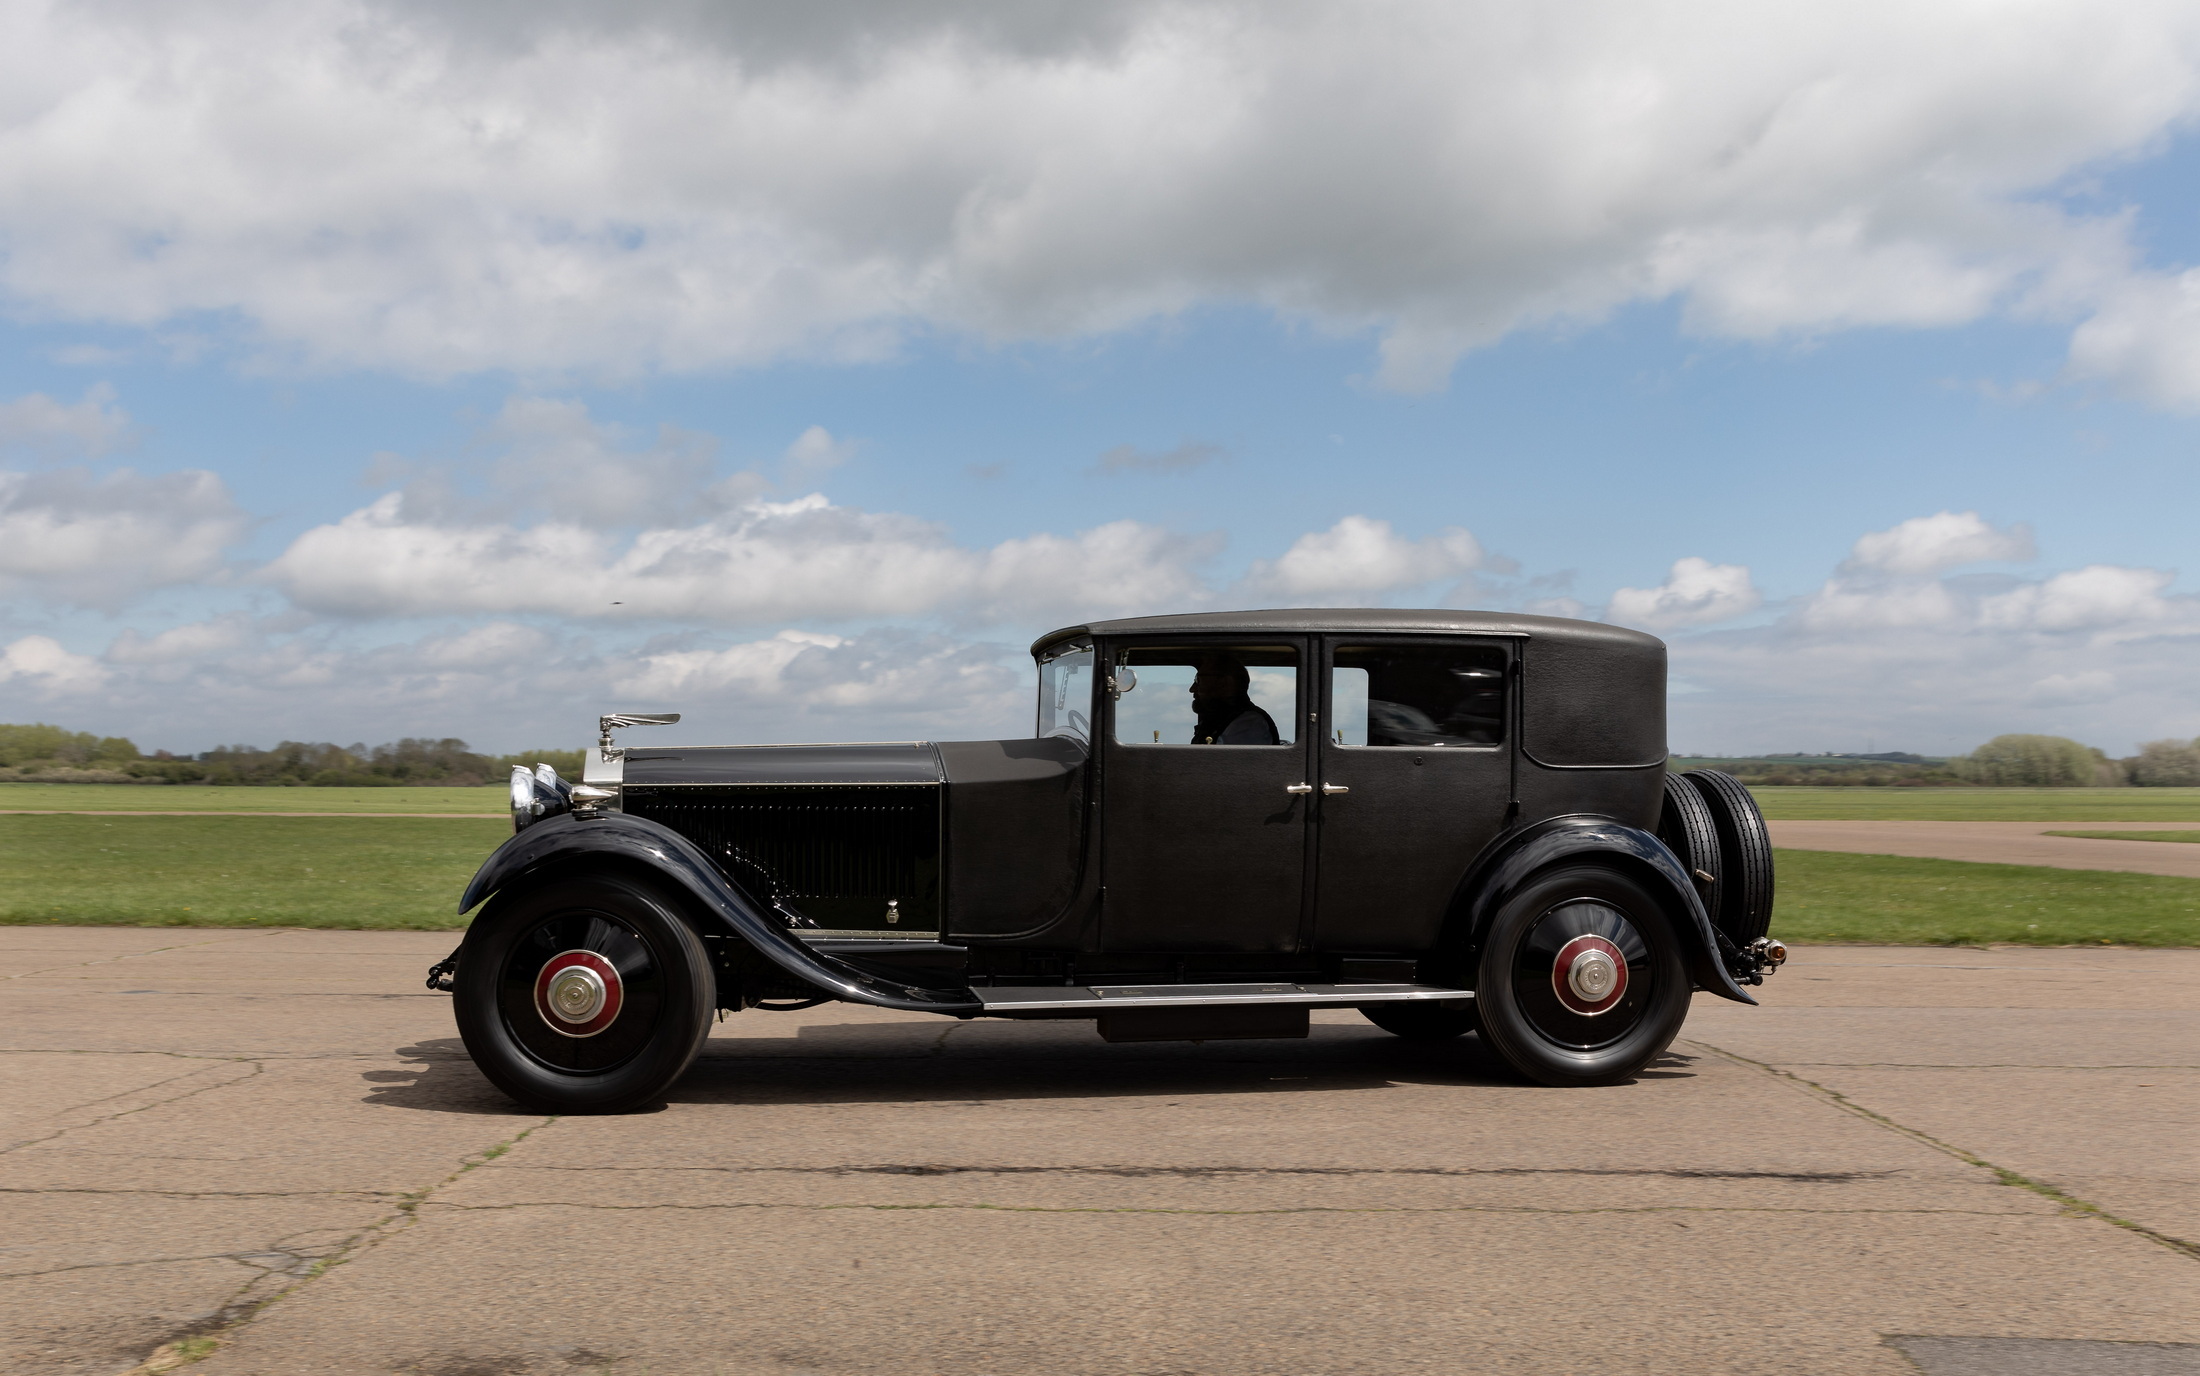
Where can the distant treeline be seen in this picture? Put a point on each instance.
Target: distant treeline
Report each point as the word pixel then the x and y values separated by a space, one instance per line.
pixel 50 754
pixel 2004 761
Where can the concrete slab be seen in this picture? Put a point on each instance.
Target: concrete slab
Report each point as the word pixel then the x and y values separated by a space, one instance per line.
pixel 283 1146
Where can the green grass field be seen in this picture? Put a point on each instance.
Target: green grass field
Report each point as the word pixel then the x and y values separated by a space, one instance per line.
pixel 398 872
pixel 1980 804
pixel 1827 896
pixel 407 873
pixel 489 802
pixel 2186 836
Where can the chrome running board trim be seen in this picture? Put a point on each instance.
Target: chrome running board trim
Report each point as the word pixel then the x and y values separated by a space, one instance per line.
pixel 1109 997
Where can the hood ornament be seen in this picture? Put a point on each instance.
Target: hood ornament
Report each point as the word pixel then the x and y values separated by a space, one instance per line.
pixel 612 721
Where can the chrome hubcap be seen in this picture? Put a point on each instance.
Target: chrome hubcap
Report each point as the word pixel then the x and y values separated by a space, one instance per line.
pixel 578 993
pixel 1589 975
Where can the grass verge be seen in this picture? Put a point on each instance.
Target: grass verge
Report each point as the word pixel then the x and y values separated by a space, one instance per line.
pixel 488 802
pixel 407 873
pixel 396 873
pixel 2186 836
pixel 1980 804
pixel 1893 899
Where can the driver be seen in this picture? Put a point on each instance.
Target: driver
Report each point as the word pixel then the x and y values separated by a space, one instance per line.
pixel 1227 714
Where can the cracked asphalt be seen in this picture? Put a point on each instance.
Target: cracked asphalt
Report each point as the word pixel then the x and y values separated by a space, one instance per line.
pixel 266 1151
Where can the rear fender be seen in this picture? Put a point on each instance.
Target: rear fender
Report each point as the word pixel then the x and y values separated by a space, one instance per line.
pixel 717 905
pixel 1600 838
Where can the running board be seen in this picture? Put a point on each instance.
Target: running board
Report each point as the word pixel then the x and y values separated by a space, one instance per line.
pixel 1102 998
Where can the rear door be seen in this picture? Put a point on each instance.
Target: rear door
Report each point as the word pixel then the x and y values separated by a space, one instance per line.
pixel 1205 801
pixel 1415 766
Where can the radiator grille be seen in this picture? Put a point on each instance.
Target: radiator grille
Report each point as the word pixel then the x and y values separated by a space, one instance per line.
pixel 824 847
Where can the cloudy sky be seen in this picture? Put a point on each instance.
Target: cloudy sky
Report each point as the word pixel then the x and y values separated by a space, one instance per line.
pixel 371 369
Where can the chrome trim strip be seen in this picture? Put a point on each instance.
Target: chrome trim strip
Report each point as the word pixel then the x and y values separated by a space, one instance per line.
pixel 807 783
pixel 1095 999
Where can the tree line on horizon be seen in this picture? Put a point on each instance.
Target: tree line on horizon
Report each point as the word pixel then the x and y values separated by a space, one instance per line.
pixel 39 753
pixel 2011 761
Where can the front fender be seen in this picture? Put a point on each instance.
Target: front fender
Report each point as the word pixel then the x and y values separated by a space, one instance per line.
pixel 1567 838
pixel 639 843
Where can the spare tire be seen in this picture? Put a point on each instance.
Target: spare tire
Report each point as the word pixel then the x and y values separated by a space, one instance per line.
pixel 1745 850
pixel 1686 827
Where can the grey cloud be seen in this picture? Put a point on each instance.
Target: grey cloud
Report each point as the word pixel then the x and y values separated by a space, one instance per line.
pixel 689 186
pixel 1126 458
pixel 87 428
pixel 102 541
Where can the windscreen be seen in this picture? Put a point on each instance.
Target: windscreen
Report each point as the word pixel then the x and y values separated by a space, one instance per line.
pixel 1065 692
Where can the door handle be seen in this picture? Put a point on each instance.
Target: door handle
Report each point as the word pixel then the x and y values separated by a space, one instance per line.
pixel 1336 788
pixel 1298 788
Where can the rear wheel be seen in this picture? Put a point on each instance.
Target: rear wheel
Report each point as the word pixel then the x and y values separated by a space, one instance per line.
pixel 1422 1022
pixel 583 995
pixel 1580 980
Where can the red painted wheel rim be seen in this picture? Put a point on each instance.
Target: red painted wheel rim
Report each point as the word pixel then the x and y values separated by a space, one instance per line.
pixel 1590 975
pixel 578 993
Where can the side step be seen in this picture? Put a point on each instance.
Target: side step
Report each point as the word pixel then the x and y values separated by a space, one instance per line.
pixel 1058 999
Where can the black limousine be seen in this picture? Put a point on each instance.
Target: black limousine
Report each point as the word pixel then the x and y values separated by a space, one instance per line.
pixel 1449 821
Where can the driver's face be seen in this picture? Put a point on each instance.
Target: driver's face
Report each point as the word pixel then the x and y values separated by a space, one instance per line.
pixel 1209 684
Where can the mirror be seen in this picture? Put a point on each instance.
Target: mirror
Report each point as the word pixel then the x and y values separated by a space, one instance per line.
pixel 1124 680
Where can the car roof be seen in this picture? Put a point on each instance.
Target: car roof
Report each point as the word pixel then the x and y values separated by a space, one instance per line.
pixel 1360 620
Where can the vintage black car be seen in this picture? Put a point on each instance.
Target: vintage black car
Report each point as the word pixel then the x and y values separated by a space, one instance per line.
pixel 1450 821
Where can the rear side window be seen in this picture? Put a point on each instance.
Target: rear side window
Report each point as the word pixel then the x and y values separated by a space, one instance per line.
pixel 1417 695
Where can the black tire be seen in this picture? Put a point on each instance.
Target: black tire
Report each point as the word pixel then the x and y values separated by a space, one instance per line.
pixel 653 988
pixel 1423 1022
pixel 1745 847
pixel 1542 1022
pixel 1686 827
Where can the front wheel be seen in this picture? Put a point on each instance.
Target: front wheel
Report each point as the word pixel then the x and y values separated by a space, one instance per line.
pixel 1581 980
pixel 583 995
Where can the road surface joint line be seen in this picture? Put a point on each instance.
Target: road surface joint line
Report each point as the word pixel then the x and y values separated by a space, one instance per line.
pixel 242 1307
pixel 980 1206
pixel 253 1069
pixel 229 934
pixel 2070 1203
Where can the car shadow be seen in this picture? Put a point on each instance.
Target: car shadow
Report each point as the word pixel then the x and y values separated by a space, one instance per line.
pixel 931 1062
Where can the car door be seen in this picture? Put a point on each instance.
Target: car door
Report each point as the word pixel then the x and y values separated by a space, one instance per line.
pixel 1205 801
pixel 1415 766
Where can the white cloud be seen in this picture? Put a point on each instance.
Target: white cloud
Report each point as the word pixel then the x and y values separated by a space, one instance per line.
pixel 814 454
pixel 764 562
pixel 1895 649
pixel 615 189
pixel 101 541
pixel 2097 597
pixel 1361 558
pixel 2146 337
pixel 42 666
pixel 1930 544
pixel 87 428
pixel 1694 593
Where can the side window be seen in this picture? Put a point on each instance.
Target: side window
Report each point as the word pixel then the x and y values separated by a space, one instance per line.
pixel 1417 695
pixel 1206 694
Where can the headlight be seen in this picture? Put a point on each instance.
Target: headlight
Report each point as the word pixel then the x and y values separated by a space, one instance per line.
pixel 538 793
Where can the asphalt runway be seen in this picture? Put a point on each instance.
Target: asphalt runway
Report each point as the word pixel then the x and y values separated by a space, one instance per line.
pixel 2003 843
pixel 1950 1161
